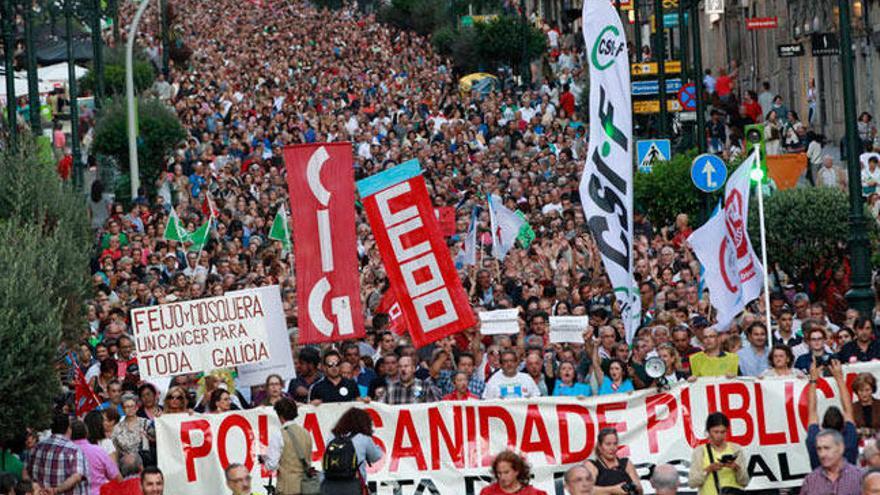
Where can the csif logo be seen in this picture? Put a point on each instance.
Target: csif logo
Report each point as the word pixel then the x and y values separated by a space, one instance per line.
pixel 608 45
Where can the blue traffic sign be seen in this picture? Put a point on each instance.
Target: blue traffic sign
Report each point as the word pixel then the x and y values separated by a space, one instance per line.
pixel 708 173
pixel 652 87
pixel 650 151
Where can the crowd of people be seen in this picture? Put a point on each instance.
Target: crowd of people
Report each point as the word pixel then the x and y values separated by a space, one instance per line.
pixel 269 74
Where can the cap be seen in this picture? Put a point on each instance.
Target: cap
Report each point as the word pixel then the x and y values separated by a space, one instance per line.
pixel 699 322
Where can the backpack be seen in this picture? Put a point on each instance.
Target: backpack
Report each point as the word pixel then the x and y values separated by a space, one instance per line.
pixel 340 459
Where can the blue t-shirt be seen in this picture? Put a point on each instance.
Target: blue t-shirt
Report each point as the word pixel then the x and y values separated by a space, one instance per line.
pixel 605 388
pixel 574 390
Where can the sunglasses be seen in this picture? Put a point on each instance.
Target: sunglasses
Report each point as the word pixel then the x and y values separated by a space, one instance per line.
pixel 176 397
pixel 332 364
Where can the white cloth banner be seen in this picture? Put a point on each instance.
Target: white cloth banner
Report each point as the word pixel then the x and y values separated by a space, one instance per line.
pixel 734 274
pixel 568 329
pixel 606 187
pixel 499 322
pixel 505 225
pixel 280 361
pixel 204 334
pixel 447 447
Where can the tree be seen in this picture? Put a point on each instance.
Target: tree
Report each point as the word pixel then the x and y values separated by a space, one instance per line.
pixel 803 225
pixel 114 73
pixel 421 16
pixel 159 131
pixel 667 190
pixel 45 246
pixel 501 41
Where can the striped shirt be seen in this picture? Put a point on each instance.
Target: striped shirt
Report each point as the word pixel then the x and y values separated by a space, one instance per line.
pixel 848 481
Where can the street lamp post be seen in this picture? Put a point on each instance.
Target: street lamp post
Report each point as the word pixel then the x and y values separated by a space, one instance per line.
pixel 660 54
pixel 166 45
pixel 526 66
pixel 71 86
pixel 31 63
pixel 9 50
pixel 860 295
pixel 98 52
pixel 698 76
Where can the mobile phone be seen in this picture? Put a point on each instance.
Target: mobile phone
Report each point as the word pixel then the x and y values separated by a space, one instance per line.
pixel 727 458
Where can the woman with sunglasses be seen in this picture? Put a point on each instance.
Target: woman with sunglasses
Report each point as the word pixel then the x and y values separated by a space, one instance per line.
pixel 175 401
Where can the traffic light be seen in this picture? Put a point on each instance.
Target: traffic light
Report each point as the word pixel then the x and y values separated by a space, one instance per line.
pixel 755 137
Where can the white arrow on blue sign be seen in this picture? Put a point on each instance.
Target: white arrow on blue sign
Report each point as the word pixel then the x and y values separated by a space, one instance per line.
pixel 652 87
pixel 708 173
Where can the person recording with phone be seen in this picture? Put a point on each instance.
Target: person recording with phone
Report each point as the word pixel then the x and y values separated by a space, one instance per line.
pixel 718 467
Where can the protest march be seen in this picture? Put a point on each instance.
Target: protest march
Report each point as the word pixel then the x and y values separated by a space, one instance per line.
pixel 354 277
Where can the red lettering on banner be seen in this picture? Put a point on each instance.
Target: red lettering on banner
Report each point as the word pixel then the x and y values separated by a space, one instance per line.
pixel 497 412
pixel 310 424
pixel 377 423
pixel 229 423
pixel 438 429
pixel 567 456
pixel 687 420
pixel 620 426
pixel 821 385
pixel 727 391
pixel 192 453
pixel 790 414
pixel 471 416
pixel 263 433
pixel 398 451
pixel 534 421
pixel 765 437
pixel 655 425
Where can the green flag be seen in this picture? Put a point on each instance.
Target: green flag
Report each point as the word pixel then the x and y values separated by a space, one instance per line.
pixel 526 233
pixel 200 237
pixel 174 229
pixel 280 231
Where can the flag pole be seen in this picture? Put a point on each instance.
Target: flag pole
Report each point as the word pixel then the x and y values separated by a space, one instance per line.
pixel 763 240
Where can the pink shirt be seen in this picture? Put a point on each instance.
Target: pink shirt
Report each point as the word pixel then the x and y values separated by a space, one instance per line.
pixel 101 468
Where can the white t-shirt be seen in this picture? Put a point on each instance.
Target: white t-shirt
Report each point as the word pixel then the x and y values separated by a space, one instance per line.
pixel 501 386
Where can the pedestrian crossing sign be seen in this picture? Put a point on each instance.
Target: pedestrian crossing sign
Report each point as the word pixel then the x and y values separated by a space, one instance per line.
pixel 651 151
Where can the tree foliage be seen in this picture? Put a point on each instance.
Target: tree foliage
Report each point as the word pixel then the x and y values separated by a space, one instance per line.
pixel 44 257
pixel 667 190
pixel 803 225
pixel 114 73
pixel 159 131
pixel 421 16
pixel 488 45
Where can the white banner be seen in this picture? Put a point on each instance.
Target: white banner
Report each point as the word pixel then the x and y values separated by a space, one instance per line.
pixel 204 334
pixel 281 359
pixel 606 188
pixel 447 447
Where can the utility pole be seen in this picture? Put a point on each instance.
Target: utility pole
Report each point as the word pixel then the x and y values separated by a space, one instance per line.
pixel 638 30
pixel 31 63
pixel 698 79
pixel 71 85
pixel 9 51
pixel 660 55
pixel 98 52
pixel 860 296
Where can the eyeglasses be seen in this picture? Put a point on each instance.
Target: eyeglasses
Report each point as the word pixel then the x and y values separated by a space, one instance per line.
pixel 176 397
pixel 332 364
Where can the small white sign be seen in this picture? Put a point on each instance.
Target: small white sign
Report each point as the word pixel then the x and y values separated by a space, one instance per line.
pixel 568 329
pixel 499 322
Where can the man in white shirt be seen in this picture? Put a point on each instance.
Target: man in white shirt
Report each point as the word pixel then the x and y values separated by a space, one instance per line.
pixel 828 176
pixel 510 383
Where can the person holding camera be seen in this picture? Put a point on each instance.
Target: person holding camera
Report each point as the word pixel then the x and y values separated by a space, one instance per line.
pixel 614 475
pixel 718 467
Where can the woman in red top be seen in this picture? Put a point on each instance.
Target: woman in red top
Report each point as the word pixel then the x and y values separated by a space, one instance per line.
pixel 460 388
pixel 512 474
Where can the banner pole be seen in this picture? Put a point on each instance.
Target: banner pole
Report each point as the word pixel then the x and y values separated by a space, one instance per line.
pixel 763 241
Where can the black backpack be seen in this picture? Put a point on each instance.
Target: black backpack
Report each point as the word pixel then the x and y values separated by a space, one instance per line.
pixel 340 459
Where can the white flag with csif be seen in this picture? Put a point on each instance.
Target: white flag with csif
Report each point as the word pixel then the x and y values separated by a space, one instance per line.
pixel 734 275
pixel 606 188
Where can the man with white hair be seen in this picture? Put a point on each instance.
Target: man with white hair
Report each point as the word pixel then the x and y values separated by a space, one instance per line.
pixel 579 481
pixel 665 480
